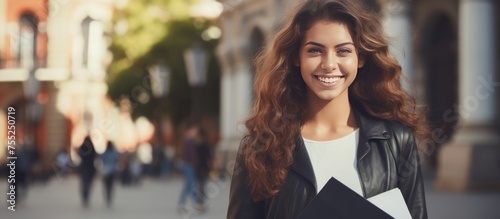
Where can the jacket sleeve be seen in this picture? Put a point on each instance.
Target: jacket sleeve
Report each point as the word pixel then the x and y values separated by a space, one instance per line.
pixel 241 205
pixel 410 177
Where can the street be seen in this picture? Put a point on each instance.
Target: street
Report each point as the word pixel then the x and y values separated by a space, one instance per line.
pixel 150 200
pixel 158 198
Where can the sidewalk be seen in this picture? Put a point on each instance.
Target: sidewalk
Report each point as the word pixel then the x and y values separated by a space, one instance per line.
pixel 469 205
pixel 152 199
pixel 158 199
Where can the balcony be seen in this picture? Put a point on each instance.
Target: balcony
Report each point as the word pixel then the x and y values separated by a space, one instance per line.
pixel 14 70
pixel 18 63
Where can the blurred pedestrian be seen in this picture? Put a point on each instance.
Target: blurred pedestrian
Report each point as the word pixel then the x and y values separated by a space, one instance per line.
pixel 124 167
pixel 63 163
pixel 188 163
pixel 167 163
pixel 203 168
pixel 24 167
pixel 109 169
pixel 87 169
pixel 135 167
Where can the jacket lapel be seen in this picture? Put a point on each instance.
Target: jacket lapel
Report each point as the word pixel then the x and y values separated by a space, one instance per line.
pixel 302 164
pixel 370 128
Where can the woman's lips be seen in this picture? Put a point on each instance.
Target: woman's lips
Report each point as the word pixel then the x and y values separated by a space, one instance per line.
pixel 329 79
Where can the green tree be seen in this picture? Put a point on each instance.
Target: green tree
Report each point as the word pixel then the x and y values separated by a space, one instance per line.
pixel 148 32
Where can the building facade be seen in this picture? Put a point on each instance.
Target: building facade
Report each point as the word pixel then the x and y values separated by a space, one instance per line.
pixel 53 56
pixel 449 54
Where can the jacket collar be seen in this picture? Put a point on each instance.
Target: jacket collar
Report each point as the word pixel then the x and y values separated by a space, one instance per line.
pixel 369 127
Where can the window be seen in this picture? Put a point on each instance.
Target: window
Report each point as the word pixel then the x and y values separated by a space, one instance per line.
pixel 94 46
pixel 26 54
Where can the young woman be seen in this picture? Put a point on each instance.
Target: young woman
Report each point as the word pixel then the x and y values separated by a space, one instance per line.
pixel 329 104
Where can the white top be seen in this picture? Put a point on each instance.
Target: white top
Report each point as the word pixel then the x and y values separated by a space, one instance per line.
pixel 335 158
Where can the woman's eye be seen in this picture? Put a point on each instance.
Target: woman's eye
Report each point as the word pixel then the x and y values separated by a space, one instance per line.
pixel 314 50
pixel 344 51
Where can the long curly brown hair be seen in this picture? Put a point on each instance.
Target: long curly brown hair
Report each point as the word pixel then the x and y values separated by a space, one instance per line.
pixel 274 126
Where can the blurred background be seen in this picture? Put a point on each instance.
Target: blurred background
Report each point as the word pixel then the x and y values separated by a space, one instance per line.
pixel 137 72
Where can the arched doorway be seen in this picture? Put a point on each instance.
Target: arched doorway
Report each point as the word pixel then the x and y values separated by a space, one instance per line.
pixel 440 57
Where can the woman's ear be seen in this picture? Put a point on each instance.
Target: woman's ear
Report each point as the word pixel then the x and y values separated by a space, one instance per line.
pixel 361 61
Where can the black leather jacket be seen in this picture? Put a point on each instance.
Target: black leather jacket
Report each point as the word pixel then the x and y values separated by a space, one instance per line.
pixel 387 158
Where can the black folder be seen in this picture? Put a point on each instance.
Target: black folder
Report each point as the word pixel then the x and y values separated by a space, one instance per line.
pixel 336 200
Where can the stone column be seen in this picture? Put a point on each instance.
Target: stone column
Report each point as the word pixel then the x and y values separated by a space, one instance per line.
pixel 242 99
pixel 398 26
pixel 226 109
pixel 472 159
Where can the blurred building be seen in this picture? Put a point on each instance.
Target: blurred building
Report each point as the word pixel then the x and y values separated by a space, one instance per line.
pixel 448 50
pixel 53 56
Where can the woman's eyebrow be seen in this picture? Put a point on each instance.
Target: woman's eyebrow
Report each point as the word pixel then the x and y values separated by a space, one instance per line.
pixel 323 46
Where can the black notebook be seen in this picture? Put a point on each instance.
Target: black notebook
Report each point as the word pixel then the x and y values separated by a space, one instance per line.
pixel 336 200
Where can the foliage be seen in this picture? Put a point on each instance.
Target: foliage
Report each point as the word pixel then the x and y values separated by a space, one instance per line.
pixel 158 32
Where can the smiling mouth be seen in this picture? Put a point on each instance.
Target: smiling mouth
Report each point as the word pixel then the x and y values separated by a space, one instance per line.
pixel 329 80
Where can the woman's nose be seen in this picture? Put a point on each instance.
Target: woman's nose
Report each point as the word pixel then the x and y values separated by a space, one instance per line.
pixel 329 63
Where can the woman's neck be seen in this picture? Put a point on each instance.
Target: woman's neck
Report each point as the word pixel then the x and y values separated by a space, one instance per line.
pixel 327 120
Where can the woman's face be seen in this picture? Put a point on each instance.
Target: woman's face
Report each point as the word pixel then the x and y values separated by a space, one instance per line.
pixel 328 60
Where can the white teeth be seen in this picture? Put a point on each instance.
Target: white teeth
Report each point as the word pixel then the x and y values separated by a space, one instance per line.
pixel 328 79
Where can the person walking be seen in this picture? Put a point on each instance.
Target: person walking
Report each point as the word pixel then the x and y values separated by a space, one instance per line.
pixel 168 161
pixel 329 104
pixel 188 163
pixel 24 168
pixel 87 169
pixel 109 160
pixel 205 155
pixel 63 163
